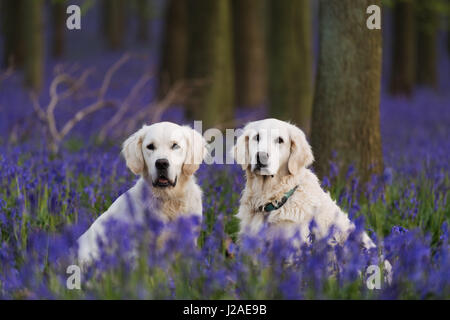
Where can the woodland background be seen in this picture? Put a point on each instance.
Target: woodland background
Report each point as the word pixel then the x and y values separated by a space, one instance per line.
pixel 375 105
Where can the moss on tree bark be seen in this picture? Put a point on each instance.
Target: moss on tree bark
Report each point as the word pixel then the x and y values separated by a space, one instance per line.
pixel 175 45
pixel 250 52
pixel 346 106
pixel 59 27
pixel 291 62
pixel 210 60
pixel 33 35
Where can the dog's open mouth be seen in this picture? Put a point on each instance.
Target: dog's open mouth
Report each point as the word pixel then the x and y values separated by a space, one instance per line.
pixel 263 171
pixel 163 182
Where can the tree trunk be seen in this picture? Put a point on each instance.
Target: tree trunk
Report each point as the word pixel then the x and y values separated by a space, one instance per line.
pixel 11 13
pixel 427 30
pixel 249 53
pixel 143 7
pixel 33 35
pixel 174 48
pixel 59 28
pixel 346 107
pixel 291 62
pixel 210 60
pixel 113 15
pixel 403 70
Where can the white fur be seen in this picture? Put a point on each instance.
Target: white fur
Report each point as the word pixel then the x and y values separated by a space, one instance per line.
pixel 185 198
pixel 287 167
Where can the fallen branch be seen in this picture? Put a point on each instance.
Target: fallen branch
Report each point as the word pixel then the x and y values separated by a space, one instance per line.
pixel 80 115
pixel 47 114
pixel 123 120
pixel 153 111
pixel 109 74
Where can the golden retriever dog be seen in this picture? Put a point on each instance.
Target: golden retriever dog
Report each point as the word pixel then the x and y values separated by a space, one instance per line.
pixel 281 193
pixel 165 156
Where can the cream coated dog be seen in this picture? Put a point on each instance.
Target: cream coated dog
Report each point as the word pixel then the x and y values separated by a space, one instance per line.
pixel 165 156
pixel 281 192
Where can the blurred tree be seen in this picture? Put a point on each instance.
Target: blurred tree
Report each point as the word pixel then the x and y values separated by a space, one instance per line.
pixel 250 52
pixel 210 60
pixel 427 25
pixel 13 44
pixel 291 61
pixel 33 35
pixel 403 66
pixel 58 9
pixel 113 22
pixel 174 48
pixel 144 11
pixel 346 107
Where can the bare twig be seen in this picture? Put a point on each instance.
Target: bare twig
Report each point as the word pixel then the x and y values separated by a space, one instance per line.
pixel 80 115
pixel 176 94
pixel 6 74
pixel 77 85
pixel 37 107
pixel 125 106
pixel 153 111
pixel 47 115
pixel 109 74
pixel 179 93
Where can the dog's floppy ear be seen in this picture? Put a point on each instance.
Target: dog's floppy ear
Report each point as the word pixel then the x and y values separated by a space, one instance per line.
pixel 301 153
pixel 196 150
pixel 240 150
pixel 132 151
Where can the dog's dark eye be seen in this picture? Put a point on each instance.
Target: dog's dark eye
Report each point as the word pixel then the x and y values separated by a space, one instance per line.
pixel 175 146
pixel 280 140
pixel 151 146
pixel 256 137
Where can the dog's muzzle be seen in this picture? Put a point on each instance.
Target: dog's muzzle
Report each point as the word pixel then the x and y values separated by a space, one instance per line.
pixel 162 180
pixel 262 159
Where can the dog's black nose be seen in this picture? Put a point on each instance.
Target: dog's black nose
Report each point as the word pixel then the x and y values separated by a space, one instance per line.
pixel 162 164
pixel 261 158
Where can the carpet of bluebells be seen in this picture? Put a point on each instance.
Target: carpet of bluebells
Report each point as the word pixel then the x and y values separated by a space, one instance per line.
pixel 47 201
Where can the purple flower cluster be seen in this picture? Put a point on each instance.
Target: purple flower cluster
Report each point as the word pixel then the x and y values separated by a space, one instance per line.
pixel 38 241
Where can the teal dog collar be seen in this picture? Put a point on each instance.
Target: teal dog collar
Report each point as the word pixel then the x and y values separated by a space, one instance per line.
pixel 271 206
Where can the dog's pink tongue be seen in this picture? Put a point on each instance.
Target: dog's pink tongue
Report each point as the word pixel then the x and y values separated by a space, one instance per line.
pixel 162 180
